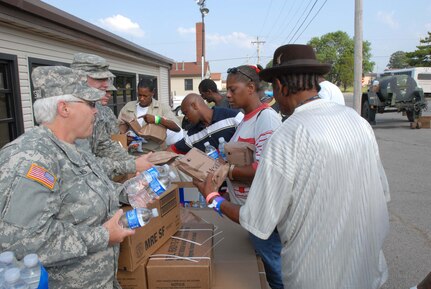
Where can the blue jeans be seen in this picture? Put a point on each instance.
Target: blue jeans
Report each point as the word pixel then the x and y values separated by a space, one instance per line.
pixel 270 252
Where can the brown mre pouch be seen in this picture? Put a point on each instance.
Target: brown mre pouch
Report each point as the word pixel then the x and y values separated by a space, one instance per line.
pixel 162 157
pixel 239 153
pixel 154 132
pixel 197 165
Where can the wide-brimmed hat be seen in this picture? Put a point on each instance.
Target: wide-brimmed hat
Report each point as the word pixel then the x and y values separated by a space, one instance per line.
pixel 49 81
pixel 94 66
pixel 294 58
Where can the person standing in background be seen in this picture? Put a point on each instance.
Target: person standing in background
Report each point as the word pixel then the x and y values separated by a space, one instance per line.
pixel 209 91
pixel 146 109
pixel 330 91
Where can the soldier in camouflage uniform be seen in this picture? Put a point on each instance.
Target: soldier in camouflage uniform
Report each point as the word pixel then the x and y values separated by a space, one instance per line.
pixel 55 199
pixel 113 158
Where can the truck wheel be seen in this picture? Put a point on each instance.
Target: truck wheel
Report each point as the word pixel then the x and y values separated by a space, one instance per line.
pixel 368 113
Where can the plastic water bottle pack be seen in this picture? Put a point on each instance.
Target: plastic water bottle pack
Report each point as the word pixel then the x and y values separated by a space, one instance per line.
pixel 148 185
pixel 27 274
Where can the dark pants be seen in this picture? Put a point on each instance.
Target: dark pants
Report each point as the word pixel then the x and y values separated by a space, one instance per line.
pixel 270 252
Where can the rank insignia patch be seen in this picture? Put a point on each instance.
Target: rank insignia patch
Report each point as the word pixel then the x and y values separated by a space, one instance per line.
pixel 41 175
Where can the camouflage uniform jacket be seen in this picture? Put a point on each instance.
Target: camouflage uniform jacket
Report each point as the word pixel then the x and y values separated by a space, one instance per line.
pixel 54 200
pixel 114 159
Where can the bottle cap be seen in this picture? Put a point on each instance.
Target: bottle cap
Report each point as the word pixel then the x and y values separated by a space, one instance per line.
pixel 11 275
pixel 31 260
pixel 221 139
pixel 7 257
pixel 155 212
pixel 207 143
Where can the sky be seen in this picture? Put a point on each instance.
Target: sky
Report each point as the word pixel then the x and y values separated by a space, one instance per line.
pixel 168 27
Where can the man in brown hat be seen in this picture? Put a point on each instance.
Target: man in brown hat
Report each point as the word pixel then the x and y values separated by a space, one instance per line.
pixel 320 183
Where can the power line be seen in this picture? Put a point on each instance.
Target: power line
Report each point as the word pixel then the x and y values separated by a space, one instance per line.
pixel 299 19
pixel 266 17
pixel 308 14
pixel 311 20
pixel 276 20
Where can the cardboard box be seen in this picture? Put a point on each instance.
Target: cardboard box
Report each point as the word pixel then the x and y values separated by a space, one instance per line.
pixel 197 165
pixel 137 248
pixel 234 257
pixel 121 139
pixel 262 274
pixel 133 280
pixel 425 121
pixel 185 261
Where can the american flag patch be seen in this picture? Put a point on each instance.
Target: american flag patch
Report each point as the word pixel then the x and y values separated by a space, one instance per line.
pixel 41 175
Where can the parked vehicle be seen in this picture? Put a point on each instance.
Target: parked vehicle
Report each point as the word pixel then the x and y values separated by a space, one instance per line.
pixel 422 76
pixel 396 93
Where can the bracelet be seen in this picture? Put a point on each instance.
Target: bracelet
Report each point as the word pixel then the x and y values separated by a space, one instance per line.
pixel 213 194
pixel 157 119
pixel 216 203
pixel 230 172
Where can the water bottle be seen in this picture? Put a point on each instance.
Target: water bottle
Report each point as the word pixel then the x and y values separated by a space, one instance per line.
pixel 221 143
pixel 138 217
pixel 210 150
pixel 31 271
pixel 12 280
pixel 159 185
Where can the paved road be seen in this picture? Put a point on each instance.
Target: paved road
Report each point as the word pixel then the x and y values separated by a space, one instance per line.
pixel 406 156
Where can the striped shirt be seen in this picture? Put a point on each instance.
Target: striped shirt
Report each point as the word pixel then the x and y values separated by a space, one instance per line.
pixel 224 123
pixel 321 183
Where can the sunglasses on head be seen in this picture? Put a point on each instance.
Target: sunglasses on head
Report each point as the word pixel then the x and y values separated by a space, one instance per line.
pixel 235 70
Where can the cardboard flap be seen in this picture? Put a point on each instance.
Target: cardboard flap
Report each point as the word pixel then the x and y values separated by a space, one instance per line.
pixel 239 153
pixel 162 157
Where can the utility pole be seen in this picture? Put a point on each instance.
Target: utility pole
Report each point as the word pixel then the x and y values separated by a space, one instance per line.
pixel 258 47
pixel 357 86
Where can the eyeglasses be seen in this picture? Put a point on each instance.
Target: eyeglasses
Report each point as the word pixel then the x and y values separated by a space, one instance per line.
pixel 235 70
pixel 91 104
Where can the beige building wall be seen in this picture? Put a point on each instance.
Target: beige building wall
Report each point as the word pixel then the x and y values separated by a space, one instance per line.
pixel 26 45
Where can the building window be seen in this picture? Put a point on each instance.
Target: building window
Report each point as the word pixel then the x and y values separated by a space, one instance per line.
pixel 11 125
pixel 188 84
pixel 126 90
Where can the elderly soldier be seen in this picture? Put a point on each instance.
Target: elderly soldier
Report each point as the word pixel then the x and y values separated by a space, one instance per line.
pixel 114 159
pixel 56 200
pixel 321 184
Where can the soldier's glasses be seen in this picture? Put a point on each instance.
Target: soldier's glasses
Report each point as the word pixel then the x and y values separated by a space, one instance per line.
pixel 91 104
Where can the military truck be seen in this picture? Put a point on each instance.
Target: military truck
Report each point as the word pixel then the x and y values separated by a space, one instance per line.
pixel 395 93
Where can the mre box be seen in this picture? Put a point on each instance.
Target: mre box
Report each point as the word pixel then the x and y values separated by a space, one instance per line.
pixel 185 261
pixel 138 247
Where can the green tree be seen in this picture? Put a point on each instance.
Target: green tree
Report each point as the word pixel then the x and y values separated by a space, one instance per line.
pixel 422 55
pixel 337 48
pixel 398 59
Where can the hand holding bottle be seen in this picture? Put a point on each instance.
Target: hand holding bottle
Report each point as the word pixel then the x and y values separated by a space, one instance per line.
pixel 116 232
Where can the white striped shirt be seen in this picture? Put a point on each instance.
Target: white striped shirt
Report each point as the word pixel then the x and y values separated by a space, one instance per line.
pixel 321 183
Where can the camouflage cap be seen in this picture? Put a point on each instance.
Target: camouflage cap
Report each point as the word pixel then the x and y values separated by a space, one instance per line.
pixel 49 81
pixel 95 66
